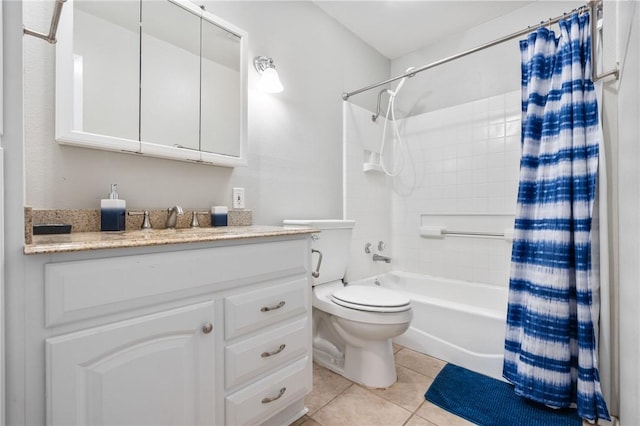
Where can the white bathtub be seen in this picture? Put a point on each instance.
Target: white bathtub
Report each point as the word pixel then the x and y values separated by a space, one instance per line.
pixel 456 321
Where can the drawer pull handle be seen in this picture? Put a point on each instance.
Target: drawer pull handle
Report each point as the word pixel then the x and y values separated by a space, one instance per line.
pixel 274 398
pixel 272 308
pixel 276 352
pixel 207 328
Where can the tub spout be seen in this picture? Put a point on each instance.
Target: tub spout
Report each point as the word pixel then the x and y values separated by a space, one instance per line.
pixel 379 258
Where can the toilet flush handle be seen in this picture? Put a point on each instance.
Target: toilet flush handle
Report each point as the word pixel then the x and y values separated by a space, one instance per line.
pixel 316 273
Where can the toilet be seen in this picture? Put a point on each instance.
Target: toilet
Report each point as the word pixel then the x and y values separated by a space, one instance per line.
pixel 353 325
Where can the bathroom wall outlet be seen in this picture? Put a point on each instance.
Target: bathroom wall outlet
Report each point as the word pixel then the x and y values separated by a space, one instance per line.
pixel 238 198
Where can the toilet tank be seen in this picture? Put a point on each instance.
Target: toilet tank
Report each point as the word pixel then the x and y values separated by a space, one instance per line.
pixel 333 241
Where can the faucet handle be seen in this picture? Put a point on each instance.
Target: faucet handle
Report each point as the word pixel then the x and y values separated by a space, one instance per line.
pixel 194 219
pixel 146 222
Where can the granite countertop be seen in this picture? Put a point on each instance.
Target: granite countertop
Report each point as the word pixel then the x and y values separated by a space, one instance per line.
pixel 83 241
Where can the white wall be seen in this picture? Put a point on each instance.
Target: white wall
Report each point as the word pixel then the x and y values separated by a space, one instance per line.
pixel 626 125
pixel 13 211
pixel 295 138
pixel 2 310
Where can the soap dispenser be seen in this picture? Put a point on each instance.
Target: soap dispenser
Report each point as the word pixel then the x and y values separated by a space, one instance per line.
pixel 112 211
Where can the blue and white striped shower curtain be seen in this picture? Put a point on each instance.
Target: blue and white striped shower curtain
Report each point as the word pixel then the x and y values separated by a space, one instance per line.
pixel 550 344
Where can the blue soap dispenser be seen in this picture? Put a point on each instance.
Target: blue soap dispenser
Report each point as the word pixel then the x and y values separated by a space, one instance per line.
pixel 112 211
pixel 219 215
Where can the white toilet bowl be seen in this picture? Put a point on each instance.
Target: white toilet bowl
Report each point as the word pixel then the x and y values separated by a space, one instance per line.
pixel 352 325
pixel 356 343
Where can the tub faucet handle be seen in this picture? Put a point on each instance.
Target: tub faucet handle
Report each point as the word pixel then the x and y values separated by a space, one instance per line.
pixel 367 248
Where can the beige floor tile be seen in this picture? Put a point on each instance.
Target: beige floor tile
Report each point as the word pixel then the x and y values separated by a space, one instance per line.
pixel 300 421
pixel 326 386
pixel 421 363
pixel 408 391
pixel 308 421
pixel 440 417
pixel 358 406
pixel 418 421
pixel 396 347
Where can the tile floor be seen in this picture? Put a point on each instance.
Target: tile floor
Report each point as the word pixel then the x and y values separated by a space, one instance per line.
pixel 336 401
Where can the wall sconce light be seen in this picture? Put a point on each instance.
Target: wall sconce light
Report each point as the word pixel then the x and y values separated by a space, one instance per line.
pixel 269 79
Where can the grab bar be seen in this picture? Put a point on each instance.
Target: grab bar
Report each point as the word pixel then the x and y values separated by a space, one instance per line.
pixel 474 233
pixel 440 232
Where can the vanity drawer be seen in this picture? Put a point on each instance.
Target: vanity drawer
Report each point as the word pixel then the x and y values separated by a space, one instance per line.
pixel 79 290
pixel 268 351
pixel 256 403
pixel 268 305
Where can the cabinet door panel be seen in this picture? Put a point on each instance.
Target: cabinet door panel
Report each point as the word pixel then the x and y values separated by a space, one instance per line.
pixel 153 370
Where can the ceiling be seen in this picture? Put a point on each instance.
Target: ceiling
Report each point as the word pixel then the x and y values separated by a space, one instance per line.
pixel 396 28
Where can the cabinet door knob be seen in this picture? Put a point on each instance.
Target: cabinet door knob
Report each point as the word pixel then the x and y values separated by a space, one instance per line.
pixel 207 328
pixel 272 308
pixel 276 352
pixel 274 398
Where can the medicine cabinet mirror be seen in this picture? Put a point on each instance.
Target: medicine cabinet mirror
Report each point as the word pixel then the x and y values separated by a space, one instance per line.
pixel 162 78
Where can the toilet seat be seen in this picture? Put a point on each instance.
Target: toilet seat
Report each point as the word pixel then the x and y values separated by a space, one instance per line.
pixel 370 299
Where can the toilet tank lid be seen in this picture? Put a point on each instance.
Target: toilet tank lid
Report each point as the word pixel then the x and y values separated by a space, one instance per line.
pixel 321 223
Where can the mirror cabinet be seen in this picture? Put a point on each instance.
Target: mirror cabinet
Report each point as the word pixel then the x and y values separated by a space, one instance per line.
pixel 160 78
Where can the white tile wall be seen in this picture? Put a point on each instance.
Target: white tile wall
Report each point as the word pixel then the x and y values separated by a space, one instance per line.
pixel 464 163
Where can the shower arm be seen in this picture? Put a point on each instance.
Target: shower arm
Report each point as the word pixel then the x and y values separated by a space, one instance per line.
pixel 375 116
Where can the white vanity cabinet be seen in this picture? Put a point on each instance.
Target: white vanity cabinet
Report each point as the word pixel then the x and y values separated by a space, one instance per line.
pixel 204 334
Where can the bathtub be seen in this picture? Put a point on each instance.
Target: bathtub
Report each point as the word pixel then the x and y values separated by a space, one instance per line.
pixel 456 321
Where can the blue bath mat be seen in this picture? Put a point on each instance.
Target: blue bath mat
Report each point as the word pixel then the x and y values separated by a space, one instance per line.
pixel 486 401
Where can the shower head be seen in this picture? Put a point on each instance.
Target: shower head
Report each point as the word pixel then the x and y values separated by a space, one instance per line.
pixel 399 86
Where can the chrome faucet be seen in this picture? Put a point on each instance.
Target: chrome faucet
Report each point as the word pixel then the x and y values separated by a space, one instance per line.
pixel 172 216
pixel 380 258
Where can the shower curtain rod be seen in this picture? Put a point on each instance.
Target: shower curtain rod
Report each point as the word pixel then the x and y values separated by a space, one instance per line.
pixel 592 6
